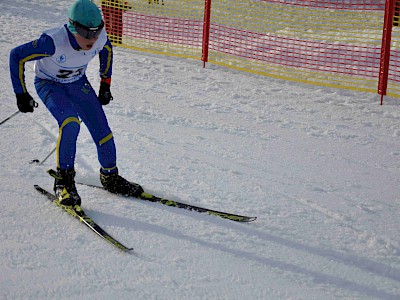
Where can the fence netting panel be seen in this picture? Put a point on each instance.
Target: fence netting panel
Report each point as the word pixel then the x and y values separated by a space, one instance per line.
pixel 393 88
pixel 160 26
pixel 331 43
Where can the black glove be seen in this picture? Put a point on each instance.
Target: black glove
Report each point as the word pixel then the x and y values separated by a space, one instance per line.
pixel 25 102
pixel 104 94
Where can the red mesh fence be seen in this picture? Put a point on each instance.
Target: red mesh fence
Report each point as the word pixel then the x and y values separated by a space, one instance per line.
pixel 331 43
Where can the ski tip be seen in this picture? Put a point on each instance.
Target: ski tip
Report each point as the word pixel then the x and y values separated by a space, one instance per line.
pixel 124 248
pixel 246 219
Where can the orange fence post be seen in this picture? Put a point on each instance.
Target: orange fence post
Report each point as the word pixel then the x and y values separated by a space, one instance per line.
pixel 385 52
pixel 206 31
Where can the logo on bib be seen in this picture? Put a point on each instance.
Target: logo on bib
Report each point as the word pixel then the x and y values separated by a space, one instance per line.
pixel 61 59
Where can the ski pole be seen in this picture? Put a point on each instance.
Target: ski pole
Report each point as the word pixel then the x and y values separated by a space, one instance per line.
pixel 40 162
pixel 9 117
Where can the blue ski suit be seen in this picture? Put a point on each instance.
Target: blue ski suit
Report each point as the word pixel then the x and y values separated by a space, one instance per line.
pixel 63 87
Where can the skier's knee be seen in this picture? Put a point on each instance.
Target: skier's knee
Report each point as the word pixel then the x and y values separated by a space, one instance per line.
pixel 72 124
pixel 105 139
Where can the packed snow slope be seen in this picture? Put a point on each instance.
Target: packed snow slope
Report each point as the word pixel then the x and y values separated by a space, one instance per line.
pixel 319 168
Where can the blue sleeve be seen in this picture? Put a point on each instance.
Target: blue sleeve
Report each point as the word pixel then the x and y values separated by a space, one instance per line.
pixel 106 60
pixel 37 49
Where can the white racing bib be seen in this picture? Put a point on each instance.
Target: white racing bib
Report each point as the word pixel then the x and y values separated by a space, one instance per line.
pixel 67 64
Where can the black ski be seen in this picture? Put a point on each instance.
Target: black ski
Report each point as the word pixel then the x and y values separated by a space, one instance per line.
pixel 149 197
pixel 83 218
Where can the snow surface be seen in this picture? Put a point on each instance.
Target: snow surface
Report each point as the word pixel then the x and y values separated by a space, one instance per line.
pixel 319 168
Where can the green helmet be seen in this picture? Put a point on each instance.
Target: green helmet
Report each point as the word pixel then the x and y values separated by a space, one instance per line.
pixel 84 12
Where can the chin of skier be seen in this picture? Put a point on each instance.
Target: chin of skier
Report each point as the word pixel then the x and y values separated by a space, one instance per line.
pixel 61 57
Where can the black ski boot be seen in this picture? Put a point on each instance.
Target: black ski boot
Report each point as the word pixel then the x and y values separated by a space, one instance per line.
pixel 119 185
pixel 64 187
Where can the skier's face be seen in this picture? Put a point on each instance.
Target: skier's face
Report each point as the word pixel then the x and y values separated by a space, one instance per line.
pixel 85 44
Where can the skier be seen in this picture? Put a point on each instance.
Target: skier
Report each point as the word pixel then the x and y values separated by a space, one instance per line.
pixel 61 57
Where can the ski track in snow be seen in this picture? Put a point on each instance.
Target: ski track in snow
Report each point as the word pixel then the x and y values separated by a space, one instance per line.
pixel 319 168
